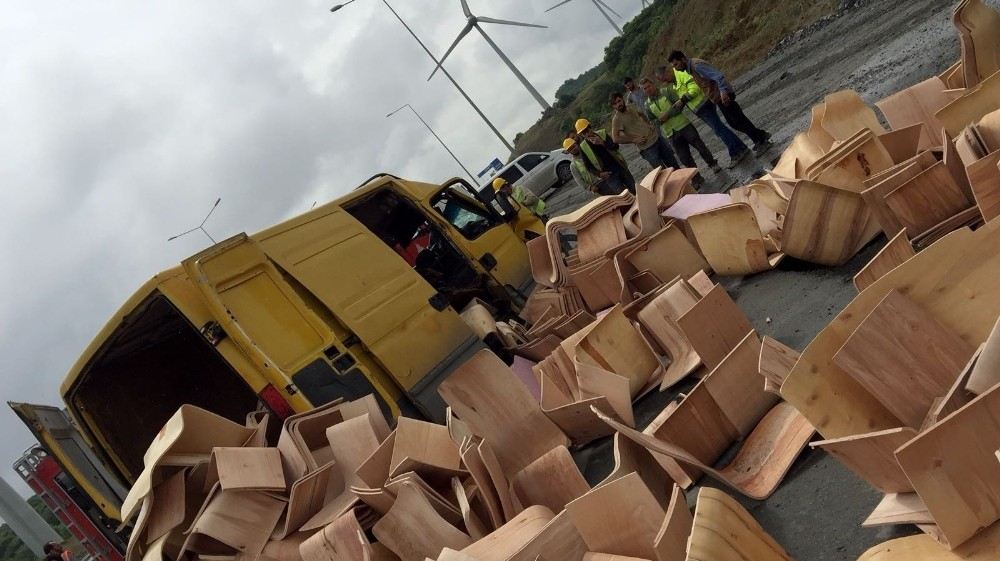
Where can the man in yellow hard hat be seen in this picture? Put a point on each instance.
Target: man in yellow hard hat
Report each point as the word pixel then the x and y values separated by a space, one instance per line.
pixel 599 155
pixel 521 195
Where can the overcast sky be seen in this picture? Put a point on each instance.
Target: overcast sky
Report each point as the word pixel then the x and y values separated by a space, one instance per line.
pixel 121 122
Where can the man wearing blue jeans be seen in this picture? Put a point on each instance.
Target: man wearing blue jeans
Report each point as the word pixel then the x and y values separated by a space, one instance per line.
pixel 721 93
pixel 700 104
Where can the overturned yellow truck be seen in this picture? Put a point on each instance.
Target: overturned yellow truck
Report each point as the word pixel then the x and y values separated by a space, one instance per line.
pixel 357 296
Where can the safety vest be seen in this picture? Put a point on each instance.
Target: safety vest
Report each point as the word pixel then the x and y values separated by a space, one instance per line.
pixel 661 105
pixel 588 151
pixel 585 174
pixel 521 196
pixel 685 84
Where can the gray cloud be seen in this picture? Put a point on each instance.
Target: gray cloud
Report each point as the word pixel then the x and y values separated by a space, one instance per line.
pixel 123 121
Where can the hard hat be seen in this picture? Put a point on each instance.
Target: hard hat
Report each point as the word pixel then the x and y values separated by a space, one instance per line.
pixel 582 125
pixel 568 143
pixel 498 183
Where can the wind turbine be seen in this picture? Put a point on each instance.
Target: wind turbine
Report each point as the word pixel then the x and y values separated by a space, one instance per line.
pixel 200 226
pixel 472 22
pixel 601 7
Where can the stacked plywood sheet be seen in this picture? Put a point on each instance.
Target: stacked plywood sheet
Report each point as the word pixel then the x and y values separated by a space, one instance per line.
pixel 903 397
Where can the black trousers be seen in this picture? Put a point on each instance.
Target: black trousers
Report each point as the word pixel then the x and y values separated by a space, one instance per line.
pixel 682 142
pixel 734 115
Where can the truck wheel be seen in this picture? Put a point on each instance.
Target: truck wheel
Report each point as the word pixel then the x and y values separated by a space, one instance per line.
pixel 563 173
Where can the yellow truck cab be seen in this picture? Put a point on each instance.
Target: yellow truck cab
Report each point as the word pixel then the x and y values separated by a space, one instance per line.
pixel 358 296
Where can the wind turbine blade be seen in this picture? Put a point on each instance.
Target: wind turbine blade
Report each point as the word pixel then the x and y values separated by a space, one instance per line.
pixel 559 4
pixel 465 31
pixel 609 8
pixel 508 22
pixel 465 8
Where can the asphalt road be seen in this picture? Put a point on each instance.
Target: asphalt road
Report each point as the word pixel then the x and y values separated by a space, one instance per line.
pixel 875 48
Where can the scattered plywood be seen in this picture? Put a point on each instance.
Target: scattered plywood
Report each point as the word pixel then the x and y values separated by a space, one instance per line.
pixel 667 254
pixel 552 480
pixel 714 326
pixel 776 360
pixel 986 371
pixel 731 240
pixel 974 103
pixel 486 395
pixel 952 280
pixel 717 514
pixel 916 105
pixel 902 143
pixel 512 536
pixel 621 517
pixel 735 386
pixel 904 357
pixel 656 318
pixel 613 344
pixel 559 539
pixel 239 521
pixel 899 508
pixel 414 531
pixel 892 255
pixel 954 470
pixel 871 457
pixel 926 200
pixel 984 178
pixel 826 224
pixel 983 547
pixel 670 543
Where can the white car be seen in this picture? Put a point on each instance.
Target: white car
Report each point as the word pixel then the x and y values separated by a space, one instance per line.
pixel 538 171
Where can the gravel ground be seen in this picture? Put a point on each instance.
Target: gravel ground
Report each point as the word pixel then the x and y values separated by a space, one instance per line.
pixel 875 48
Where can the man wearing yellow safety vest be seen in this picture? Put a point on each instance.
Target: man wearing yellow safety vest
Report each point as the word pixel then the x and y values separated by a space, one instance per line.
pixel 713 82
pixel 694 97
pixel 675 126
pixel 521 195
pixel 597 165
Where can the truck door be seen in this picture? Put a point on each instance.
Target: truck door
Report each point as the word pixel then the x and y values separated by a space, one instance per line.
pixel 396 314
pixel 53 429
pixel 490 241
pixel 271 323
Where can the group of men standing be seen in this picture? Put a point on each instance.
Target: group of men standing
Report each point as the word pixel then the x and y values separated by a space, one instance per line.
pixel 652 114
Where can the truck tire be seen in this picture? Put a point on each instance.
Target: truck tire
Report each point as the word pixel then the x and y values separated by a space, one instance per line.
pixel 563 173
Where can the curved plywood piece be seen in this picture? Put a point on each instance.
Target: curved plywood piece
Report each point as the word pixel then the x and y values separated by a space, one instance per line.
pixel 922 547
pixel 414 531
pixel 512 536
pixel 655 318
pixel 559 539
pixel 615 345
pixel 904 357
pixel 650 179
pixel 551 481
pixel 954 469
pixel 717 514
pixel 826 225
pixel 952 280
pixel 845 113
pixel 621 517
pixel 715 325
pixel 871 457
pixel 540 260
pixel 658 476
pixel 902 143
pixel 974 103
pixel 769 451
pixel 892 255
pixel 979 26
pixel 851 163
pixel 762 462
pixel 670 543
pixel 481 476
pixel 486 395
pixel 473 524
pixel 899 508
pixel 731 240
pixel 675 187
pixel 667 254
pixel 241 521
pixel 916 105
pixel 986 371
pixel 776 360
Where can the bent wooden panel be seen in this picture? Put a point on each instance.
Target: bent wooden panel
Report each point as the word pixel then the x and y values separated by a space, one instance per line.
pixel 552 481
pixel 621 517
pixel 715 325
pixel 826 225
pixel 922 547
pixel 717 514
pixel 926 200
pixel 894 254
pixel 484 393
pixel 730 239
pixel 776 360
pixel 413 530
pixel 871 457
pixel 953 280
pixel 904 357
pixel 917 105
pixel 984 178
pixel 670 543
pixel 953 468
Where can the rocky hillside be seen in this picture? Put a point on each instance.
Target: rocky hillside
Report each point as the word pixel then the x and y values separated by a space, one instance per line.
pixel 734 34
